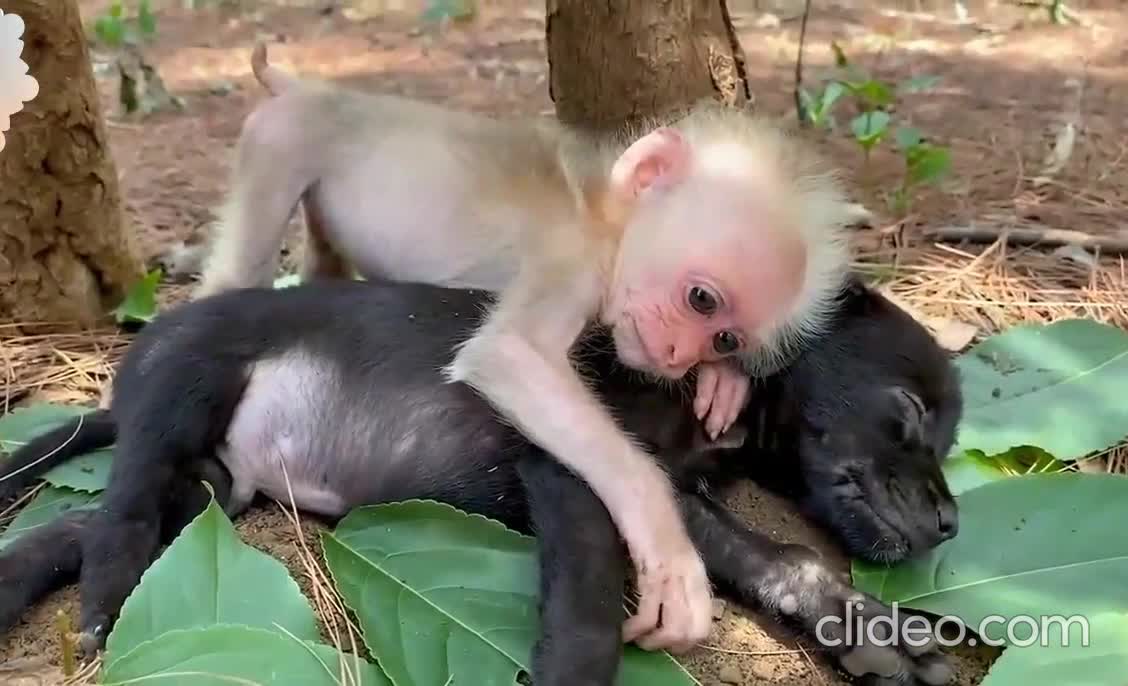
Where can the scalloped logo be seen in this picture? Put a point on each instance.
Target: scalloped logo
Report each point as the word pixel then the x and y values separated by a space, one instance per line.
pixel 17 87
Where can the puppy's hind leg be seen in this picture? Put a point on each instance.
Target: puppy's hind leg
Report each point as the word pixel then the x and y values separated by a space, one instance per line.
pixel 583 568
pixel 38 562
pixel 160 443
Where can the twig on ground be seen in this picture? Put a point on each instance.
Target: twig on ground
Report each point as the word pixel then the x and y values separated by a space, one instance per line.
pixel 800 110
pixel 974 233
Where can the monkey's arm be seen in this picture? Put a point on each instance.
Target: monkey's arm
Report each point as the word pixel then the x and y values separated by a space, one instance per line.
pixel 518 360
pixel 793 583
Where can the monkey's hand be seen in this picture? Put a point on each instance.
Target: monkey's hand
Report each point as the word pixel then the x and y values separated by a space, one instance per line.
pixel 722 392
pixel 673 585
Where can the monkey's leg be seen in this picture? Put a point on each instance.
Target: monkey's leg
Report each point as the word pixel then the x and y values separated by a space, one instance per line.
pixel 271 172
pixel 39 562
pixel 583 572
pixel 792 582
pixel 320 260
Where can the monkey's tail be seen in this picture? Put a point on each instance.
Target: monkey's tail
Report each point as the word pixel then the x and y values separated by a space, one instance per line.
pixel 271 77
pixel 80 435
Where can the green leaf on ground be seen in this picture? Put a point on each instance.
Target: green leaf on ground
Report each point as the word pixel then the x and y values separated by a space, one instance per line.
pixel 48 503
pixel 1044 544
pixel 87 472
pixel 1103 661
pixel 441 595
pixel 1060 387
pixel 231 655
pixel 975 468
pixel 140 303
pixel 207 576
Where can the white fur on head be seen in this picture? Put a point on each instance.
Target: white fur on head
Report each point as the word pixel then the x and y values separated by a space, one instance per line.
pixel 812 192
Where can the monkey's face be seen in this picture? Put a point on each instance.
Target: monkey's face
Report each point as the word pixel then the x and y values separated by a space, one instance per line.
pixel 874 477
pixel 681 297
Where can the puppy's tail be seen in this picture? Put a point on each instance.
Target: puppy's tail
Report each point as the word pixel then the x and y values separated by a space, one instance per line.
pixel 79 436
pixel 273 79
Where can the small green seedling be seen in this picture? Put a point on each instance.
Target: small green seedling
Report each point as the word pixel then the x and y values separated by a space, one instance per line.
pixel 817 110
pixel 924 164
pixel 140 302
pixel 114 29
pixel 869 129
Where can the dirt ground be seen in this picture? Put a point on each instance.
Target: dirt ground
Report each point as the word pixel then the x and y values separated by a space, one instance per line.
pixel 1008 84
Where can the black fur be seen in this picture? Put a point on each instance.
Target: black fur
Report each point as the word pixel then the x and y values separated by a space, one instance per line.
pixel 854 430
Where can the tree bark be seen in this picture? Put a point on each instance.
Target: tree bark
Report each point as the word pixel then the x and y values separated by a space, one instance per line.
pixel 65 255
pixel 617 62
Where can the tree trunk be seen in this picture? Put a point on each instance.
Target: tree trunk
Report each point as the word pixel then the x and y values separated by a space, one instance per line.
pixel 616 62
pixel 65 255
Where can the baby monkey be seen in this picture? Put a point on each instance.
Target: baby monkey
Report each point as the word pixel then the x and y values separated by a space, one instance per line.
pixel 713 243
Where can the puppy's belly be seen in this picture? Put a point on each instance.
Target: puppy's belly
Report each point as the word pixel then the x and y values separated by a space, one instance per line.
pixel 284 439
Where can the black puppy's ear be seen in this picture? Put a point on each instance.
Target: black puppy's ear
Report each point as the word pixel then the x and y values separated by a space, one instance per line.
pixel 909 415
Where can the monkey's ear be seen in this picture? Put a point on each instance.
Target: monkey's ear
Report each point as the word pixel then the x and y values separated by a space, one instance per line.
pixel 660 158
pixel 909 415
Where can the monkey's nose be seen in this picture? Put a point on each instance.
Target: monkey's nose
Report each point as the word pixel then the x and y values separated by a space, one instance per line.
pixel 679 357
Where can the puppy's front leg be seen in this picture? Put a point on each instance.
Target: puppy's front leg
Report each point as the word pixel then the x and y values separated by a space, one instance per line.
pixel 793 583
pixel 583 570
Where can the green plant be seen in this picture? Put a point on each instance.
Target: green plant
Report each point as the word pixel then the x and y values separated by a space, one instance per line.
pixel 924 163
pixel 140 302
pixel 115 29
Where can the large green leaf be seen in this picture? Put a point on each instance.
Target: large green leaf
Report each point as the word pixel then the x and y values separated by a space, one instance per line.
pixel 1060 387
pixel 1037 545
pixel 442 594
pixel 226 655
pixel 48 504
pixel 87 472
pixel 207 576
pixel 1100 662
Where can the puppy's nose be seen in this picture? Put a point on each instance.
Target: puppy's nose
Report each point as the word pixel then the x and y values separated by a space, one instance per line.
pixel 947 520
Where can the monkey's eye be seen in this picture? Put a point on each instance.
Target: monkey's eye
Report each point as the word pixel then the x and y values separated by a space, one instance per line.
pixel 702 300
pixel 725 342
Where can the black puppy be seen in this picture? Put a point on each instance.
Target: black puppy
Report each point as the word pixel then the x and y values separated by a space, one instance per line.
pixel 342 382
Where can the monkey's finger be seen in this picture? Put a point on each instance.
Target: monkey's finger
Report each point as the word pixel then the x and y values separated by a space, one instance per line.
pixel 734 401
pixel 645 618
pixel 707 380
